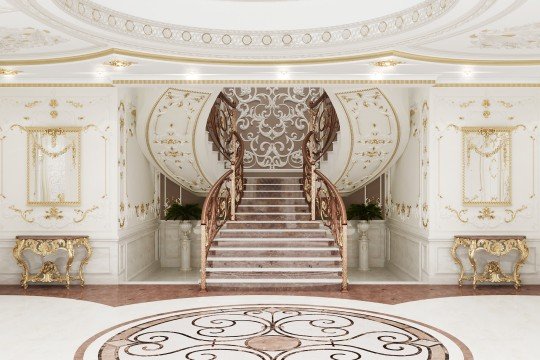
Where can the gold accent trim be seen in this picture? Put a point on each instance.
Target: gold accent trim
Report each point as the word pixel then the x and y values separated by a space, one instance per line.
pixel 23 213
pixel 459 214
pixel 513 213
pixel 221 61
pixel 442 85
pixel 8 72
pixel 84 214
pixel 273 81
pixel 55 85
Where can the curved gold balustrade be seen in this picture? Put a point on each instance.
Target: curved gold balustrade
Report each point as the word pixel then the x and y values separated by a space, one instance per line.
pixel 322 196
pixel 223 199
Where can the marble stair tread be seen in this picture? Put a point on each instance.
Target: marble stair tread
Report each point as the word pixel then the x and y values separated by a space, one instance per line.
pixel 270 254
pixel 318 248
pixel 277 281
pixel 263 201
pixel 273 225
pixel 271 233
pixel 274 194
pixel 277 270
pixel 255 244
pixel 272 258
pixel 273 216
pixel 299 208
pixel 266 187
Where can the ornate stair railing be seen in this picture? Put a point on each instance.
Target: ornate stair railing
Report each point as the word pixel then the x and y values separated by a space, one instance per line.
pixel 223 198
pixel 322 196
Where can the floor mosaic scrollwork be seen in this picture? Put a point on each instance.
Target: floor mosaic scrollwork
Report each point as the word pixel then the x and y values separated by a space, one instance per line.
pixel 272 332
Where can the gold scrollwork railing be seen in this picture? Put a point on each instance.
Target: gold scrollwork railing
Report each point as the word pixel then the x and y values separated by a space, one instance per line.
pixel 322 196
pixel 223 198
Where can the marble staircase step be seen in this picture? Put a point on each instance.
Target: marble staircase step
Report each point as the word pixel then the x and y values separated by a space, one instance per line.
pixel 272 233
pixel 272 225
pixel 273 242
pixel 302 208
pixel 282 275
pixel 273 216
pixel 272 252
pixel 267 187
pixel 267 263
pixel 272 180
pixel 273 201
pixel 281 194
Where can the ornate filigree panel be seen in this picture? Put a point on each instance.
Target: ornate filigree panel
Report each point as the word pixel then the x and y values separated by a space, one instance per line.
pixel 487 162
pixel 14 39
pixel 170 130
pixel 375 131
pixel 282 332
pixel 273 122
pixel 515 37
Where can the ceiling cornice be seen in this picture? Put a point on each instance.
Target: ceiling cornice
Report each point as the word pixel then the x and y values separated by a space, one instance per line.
pixel 255 62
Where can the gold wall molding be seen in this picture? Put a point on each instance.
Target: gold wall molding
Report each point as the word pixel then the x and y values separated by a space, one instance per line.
pixel 451 85
pixel 486 213
pixel 56 85
pixel 24 214
pixel 83 214
pixel 54 213
pixel 274 81
pixel 459 214
pixel 513 213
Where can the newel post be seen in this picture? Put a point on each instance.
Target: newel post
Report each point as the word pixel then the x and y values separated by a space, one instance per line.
pixel 203 256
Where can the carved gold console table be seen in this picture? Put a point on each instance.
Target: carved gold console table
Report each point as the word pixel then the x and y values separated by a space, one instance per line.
pixel 46 245
pixel 495 245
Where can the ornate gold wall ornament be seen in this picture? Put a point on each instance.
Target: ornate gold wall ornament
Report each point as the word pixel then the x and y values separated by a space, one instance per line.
pixel 513 213
pixel 459 214
pixel 53 103
pixel 387 63
pixel 64 191
pixel 466 104
pixel 506 104
pixel 486 214
pixel 32 104
pixel 8 72
pixel 75 104
pixel 54 114
pixel 54 213
pixel 119 63
pixel 487 165
pixel 82 214
pixel 25 214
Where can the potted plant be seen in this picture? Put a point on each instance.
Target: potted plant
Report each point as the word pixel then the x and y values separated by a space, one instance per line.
pixel 185 213
pixel 365 213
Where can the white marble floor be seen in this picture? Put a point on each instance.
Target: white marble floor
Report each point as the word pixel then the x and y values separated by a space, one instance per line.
pixel 492 327
pixel 175 276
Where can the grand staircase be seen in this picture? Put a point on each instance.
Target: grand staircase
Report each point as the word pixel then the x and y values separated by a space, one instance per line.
pixel 273 243
pixel 257 230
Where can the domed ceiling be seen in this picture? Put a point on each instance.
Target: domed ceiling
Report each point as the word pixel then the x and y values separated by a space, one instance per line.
pixel 271 33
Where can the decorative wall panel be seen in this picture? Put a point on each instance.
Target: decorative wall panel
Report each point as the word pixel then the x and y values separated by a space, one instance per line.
pixel 273 122
pixel 169 137
pixel 375 131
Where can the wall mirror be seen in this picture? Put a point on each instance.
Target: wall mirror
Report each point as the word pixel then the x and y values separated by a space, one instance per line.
pixel 487 162
pixel 53 166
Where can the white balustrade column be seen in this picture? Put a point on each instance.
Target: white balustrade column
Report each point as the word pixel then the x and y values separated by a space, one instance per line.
pixel 185 245
pixel 363 246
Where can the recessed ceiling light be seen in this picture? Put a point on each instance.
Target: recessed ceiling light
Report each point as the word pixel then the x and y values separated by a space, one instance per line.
pixel 8 72
pixel 387 63
pixel 283 74
pixel 100 73
pixel 376 76
pixel 467 73
pixel 119 63
pixel 192 75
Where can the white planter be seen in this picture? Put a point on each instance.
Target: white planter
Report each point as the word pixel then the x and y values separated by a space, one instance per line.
pixel 363 246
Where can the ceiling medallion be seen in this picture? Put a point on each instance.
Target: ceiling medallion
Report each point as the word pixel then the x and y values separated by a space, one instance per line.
pixel 8 72
pixel 119 63
pixel 387 63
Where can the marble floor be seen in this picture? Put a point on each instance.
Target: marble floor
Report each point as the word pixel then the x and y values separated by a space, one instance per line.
pixel 175 276
pixel 483 327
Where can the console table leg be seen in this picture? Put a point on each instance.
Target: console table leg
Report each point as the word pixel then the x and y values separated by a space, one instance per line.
pixel 472 250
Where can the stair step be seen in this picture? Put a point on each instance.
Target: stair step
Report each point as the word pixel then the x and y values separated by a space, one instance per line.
pixel 261 209
pixel 270 264
pixel 272 253
pixel 273 180
pixel 273 201
pixel 272 216
pixel 255 244
pixel 271 233
pixel 266 194
pixel 276 270
pixel 267 187
pixel 269 258
pixel 272 225
pixel 276 280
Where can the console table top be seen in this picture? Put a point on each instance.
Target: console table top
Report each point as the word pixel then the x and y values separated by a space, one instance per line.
pixel 490 237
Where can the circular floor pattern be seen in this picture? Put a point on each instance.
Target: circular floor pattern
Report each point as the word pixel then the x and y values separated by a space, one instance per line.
pixel 273 332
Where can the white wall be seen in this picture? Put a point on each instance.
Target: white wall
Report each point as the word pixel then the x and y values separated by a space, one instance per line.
pixel 138 188
pixel 425 200
pixel 93 108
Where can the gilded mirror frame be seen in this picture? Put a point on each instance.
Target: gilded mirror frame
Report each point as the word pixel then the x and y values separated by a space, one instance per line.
pixel 504 135
pixel 75 148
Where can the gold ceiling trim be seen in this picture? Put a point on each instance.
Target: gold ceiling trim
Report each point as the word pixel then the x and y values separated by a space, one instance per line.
pixel 56 85
pixel 217 61
pixel 487 85
pixel 272 81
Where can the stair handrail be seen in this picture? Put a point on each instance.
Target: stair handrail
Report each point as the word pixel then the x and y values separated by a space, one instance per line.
pixel 223 198
pixel 321 194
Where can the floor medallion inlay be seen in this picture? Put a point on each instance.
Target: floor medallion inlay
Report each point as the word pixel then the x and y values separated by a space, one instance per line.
pixel 271 332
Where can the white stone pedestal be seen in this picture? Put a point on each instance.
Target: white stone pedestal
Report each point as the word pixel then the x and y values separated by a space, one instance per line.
pixel 185 245
pixel 363 246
